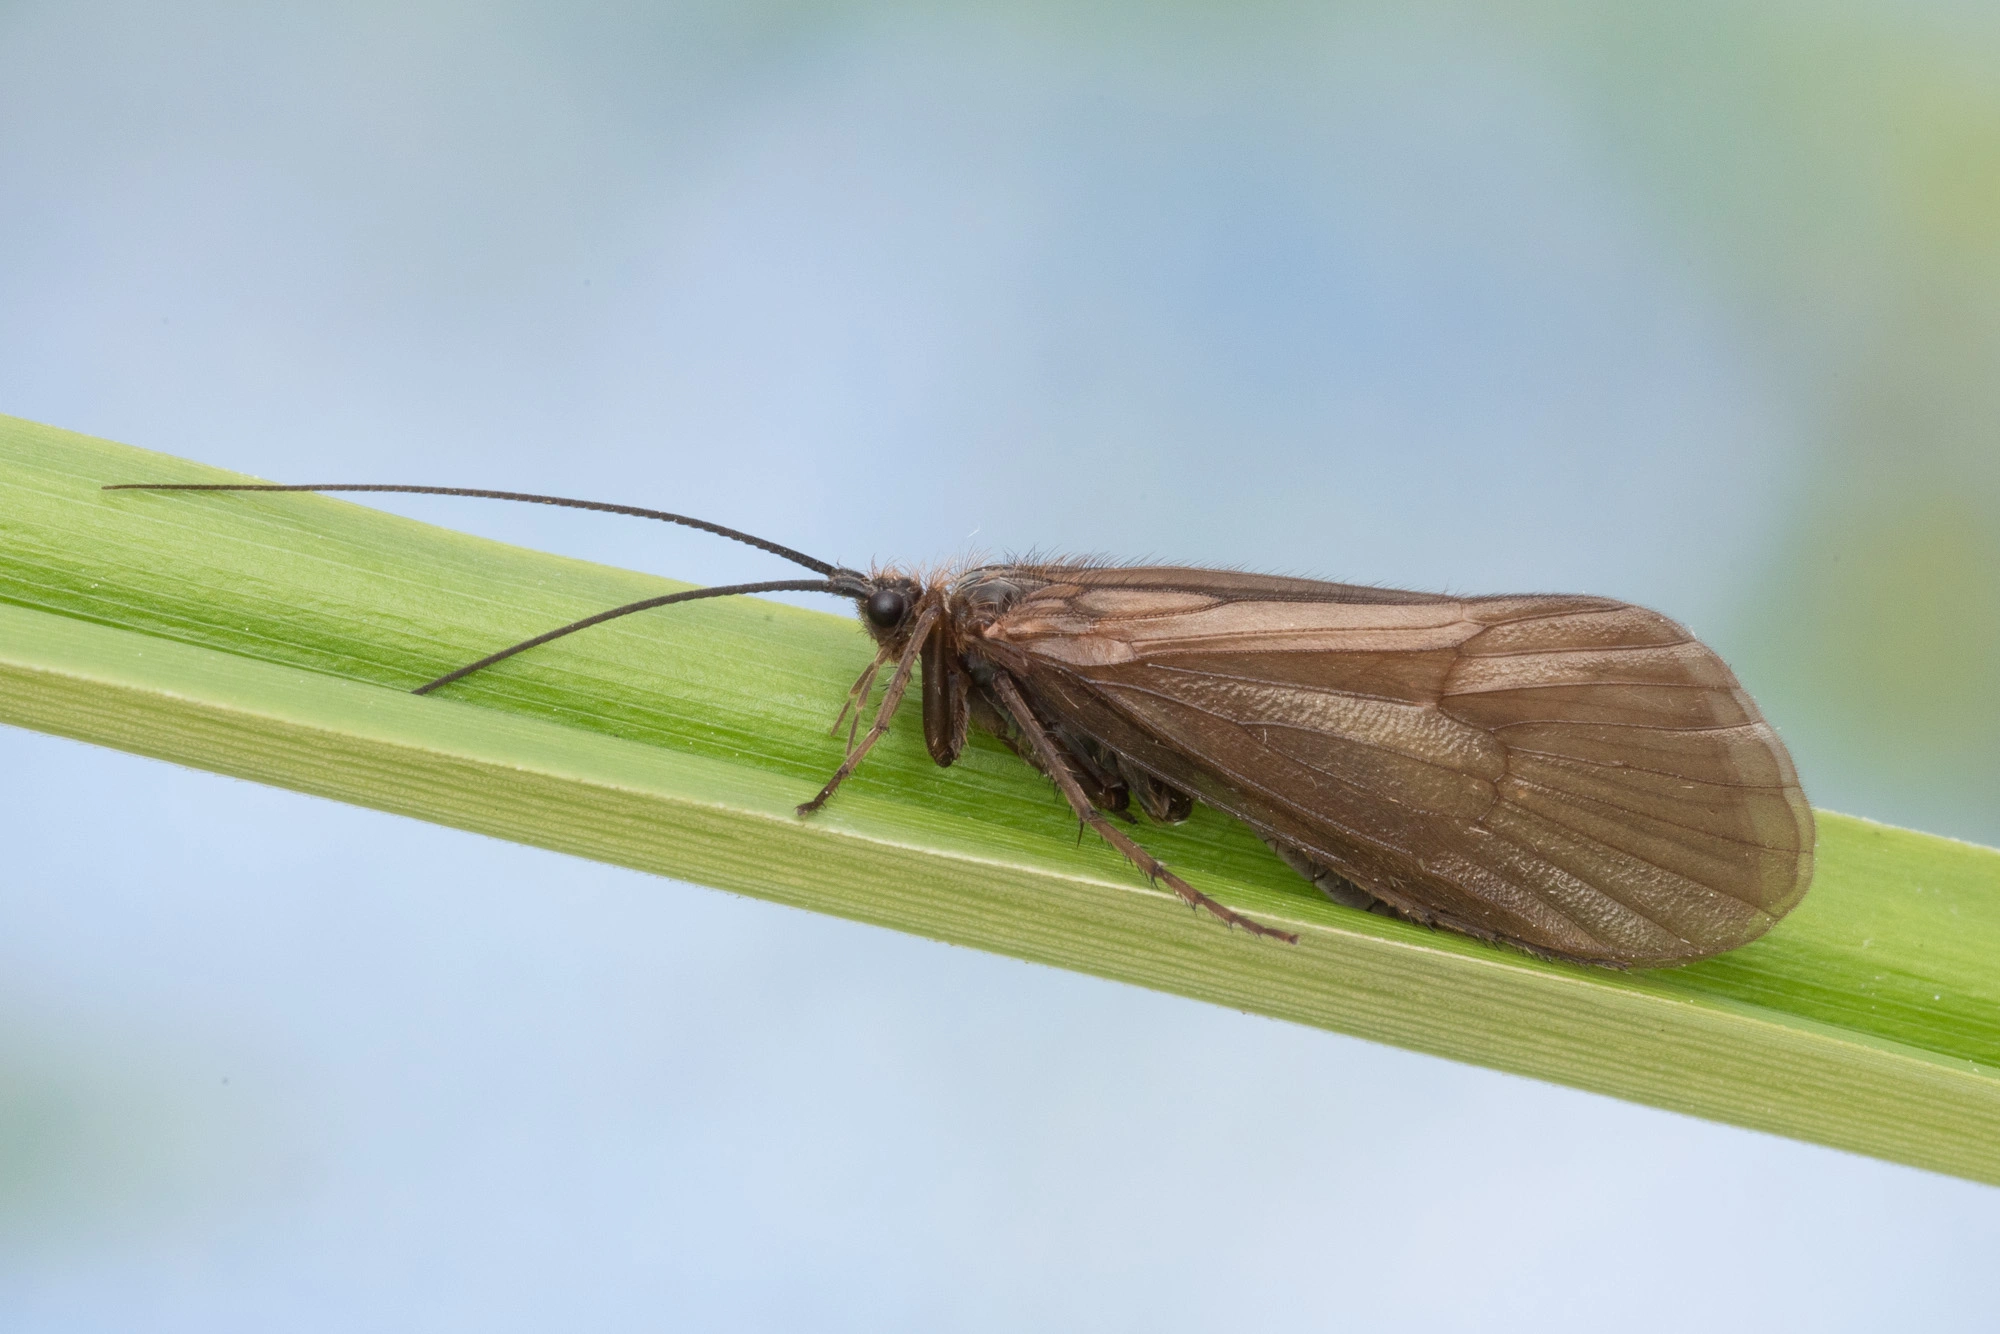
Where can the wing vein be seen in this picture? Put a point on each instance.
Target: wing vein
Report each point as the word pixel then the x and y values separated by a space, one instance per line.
pixel 1592 886
pixel 1591 684
pixel 1319 815
pixel 1290 685
pixel 1573 831
pixel 1248 728
pixel 1622 767
pixel 1580 648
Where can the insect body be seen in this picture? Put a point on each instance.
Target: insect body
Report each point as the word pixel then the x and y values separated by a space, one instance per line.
pixel 1572 775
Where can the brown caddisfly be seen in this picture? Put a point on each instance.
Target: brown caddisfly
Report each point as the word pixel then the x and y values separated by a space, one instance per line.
pixel 1572 775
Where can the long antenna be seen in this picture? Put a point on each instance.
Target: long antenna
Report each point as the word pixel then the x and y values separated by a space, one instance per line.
pixel 796 557
pixel 725 590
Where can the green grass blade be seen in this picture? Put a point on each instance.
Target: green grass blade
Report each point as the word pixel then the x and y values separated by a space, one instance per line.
pixel 275 637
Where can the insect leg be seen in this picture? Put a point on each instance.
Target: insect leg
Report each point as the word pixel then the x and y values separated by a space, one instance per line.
pixel 927 617
pixel 1332 883
pixel 1101 782
pixel 1052 760
pixel 857 699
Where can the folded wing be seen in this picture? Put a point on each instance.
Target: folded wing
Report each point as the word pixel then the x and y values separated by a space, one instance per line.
pixel 1570 773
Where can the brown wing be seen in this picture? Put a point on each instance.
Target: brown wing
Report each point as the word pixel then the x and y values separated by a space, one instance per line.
pixel 1574 774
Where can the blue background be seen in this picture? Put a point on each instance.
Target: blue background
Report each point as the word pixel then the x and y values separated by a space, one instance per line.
pixel 1697 305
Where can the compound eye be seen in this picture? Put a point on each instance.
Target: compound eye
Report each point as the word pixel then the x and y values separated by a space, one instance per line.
pixel 885 608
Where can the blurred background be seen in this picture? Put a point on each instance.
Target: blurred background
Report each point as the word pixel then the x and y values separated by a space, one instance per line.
pixel 1697 305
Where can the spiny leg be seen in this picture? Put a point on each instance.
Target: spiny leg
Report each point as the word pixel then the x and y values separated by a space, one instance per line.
pixel 857 699
pixel 1058 769
pixel 927 617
